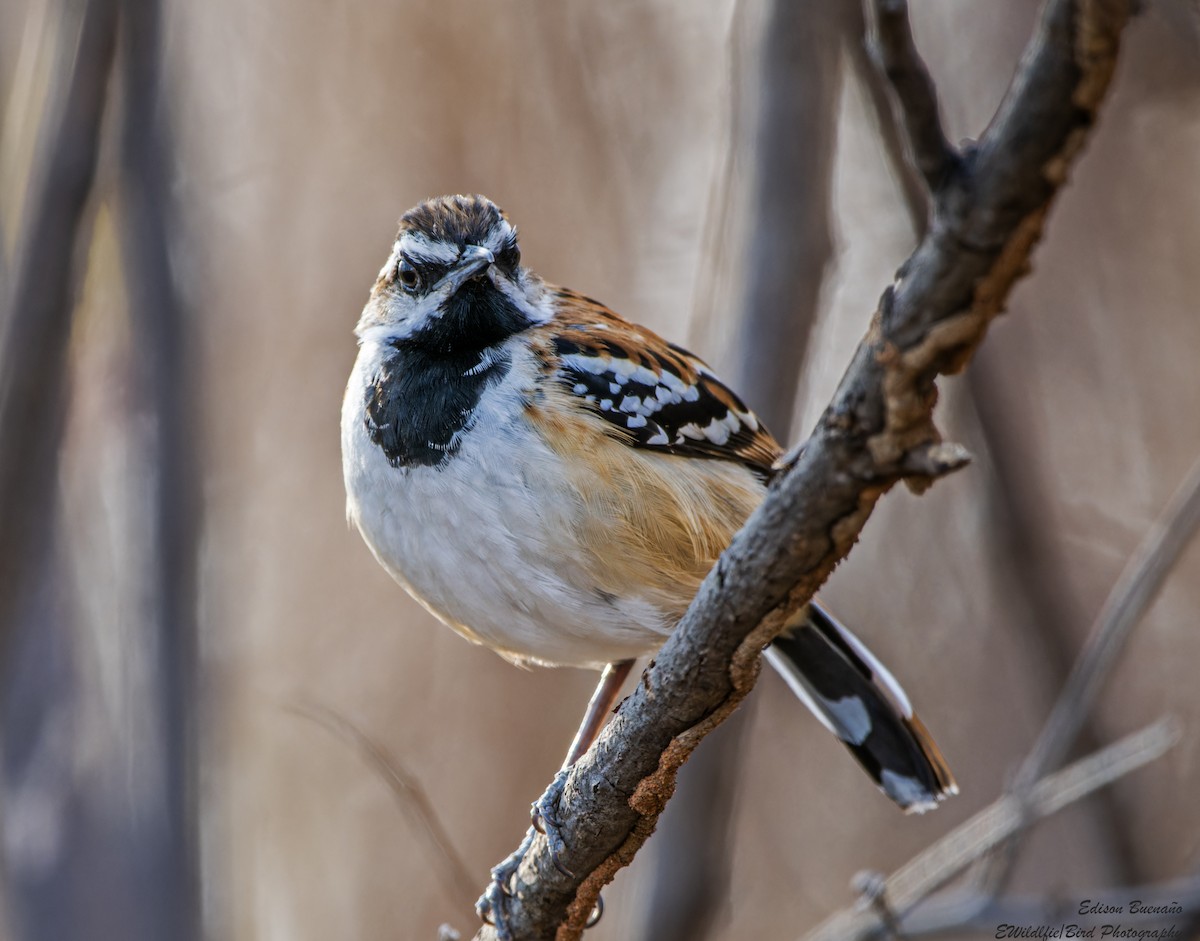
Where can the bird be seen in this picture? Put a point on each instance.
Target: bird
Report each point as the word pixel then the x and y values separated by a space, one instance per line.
pixel 554 482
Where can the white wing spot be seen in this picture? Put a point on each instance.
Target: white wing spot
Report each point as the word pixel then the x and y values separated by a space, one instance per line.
pixel 717 432
pixel 644 376
pixel 672 381
pixel 588 364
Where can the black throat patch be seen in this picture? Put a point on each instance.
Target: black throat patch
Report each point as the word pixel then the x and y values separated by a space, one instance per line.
pixel 424 395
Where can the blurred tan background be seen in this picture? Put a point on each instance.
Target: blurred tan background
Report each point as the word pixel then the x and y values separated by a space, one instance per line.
pixel 613 134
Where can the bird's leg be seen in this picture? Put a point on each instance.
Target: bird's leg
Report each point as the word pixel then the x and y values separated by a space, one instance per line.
pixel 492 905
pixel 598 709
pixel 545 808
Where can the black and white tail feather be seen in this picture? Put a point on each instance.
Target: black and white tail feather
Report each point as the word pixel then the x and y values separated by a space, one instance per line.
pixel 859 701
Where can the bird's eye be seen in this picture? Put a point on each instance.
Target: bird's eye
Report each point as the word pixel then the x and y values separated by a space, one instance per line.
pixel 408 275
pixel 509 257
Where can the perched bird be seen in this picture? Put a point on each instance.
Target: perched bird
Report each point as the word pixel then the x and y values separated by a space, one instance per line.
pixel 553 481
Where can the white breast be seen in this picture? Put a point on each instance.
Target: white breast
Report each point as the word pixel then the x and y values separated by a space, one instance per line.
pixel 485 542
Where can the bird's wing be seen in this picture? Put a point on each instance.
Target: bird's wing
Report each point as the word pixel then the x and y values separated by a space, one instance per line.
pixel 653 394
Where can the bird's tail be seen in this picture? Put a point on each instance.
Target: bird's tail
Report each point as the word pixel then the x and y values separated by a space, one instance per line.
pixel 857 699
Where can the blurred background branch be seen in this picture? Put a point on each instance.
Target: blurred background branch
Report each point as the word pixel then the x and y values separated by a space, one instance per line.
pixel 165 372
pixel 40 298
pixel 772 201
pixel 100 756
pixel 456 879
pixel 906 888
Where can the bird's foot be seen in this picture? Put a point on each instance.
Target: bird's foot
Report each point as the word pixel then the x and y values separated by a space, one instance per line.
pixel 544 815
pixel 492 906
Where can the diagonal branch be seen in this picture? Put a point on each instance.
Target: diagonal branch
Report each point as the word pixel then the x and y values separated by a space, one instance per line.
pixel 877 431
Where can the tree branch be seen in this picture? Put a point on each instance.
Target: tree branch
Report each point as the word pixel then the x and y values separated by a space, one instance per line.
pixel 916 103
pixel 889 125
pixel 872 435
pixel 1035 567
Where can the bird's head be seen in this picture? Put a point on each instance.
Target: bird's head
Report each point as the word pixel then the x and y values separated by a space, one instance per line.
pixel 453 281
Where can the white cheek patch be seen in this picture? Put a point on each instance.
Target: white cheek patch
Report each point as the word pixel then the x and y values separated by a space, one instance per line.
pixel 391 314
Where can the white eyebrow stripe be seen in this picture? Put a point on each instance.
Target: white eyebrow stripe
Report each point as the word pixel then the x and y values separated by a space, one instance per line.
pixel 498 236
pixel 419 247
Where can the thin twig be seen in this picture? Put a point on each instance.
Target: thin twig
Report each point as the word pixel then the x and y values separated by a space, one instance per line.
pixel 949 856
pixel 1131 596
pixel 1124 608
pixel 410 796
pixel 916 96
pixel 1018 525
pixel 887 124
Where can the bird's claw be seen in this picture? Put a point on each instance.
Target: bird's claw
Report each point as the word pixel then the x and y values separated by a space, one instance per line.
pixel 492 906
pixel 544 816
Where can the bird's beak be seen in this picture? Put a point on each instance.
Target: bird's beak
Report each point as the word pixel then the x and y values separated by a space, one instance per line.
pixel 475 255
pixel 474 259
